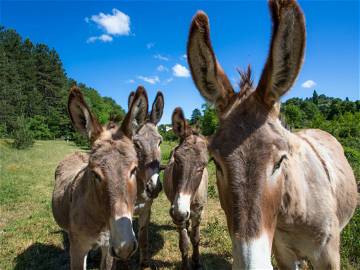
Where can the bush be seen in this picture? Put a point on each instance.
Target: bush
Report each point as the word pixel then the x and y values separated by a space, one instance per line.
pixel 22 135
pixel 39 128
pixel 3 133
pixel 80 140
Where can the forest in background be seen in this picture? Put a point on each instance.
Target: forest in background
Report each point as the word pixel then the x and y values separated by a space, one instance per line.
pixel 34 90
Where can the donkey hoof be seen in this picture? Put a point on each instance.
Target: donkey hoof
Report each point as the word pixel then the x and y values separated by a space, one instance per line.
pixel 197 266
pixel 185 266
pixel 147 265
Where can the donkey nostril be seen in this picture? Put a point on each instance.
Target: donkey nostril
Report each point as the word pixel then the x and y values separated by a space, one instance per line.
pixel 112 252
pixel 187 214
pixel 135 246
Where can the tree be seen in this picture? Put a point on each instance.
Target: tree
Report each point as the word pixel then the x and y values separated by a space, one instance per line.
pixel 195 116
pixel 315 97
pixel 210 121
pixel 23 137
pixel 293 116
pixel 33 85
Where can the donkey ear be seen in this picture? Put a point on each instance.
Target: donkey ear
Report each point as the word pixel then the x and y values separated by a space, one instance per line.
pixel 179 124
pixel 137 113
pixel 157 108
pixel 81 116
pixel 206 72
pixel 286 52
pixel 131 99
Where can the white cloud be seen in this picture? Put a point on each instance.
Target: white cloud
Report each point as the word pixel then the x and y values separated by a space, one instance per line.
pixel 184 56
pixel 162 68
pixel 180 71
pixel 151 80
pixel 130 81
pixel 117 23
pixel 150 45
pixel 169 80
pixel 308 84
pixel 161 57
pixel 103 38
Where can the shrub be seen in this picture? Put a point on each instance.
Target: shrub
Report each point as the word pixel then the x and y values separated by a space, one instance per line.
pixel 22 135
pixel 80 140
pixel 3 133
pixel 39 128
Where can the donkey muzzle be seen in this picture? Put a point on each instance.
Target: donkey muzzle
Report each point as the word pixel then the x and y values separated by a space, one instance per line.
pixel 153 186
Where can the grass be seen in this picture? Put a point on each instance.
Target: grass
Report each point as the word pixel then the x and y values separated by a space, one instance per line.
pixel 30 239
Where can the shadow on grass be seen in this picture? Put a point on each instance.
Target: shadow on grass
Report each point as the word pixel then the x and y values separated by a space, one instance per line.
pixel 42 256
pixel 156 243
pixel 213 261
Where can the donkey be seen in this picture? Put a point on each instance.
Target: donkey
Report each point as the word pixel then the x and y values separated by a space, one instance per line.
pixel 185 185
pixel 292 193
pixel 147 141
pixel 94 195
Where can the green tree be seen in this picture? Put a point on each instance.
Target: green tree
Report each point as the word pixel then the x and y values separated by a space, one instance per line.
pixel 210 121
pixel 195 116
pixel 293 116
pixel 22 135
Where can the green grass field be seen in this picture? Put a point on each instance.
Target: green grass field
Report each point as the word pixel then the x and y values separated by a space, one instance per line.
pixel 30 239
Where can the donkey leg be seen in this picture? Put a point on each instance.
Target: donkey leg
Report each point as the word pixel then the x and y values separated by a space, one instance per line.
pixel 106 260
pixel 184 243
pixel 195 239
pixel 78 254
pixel 285 258
pixel 144 220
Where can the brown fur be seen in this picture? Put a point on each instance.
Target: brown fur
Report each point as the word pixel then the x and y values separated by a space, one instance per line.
pixel 93 188
pixel 186 173
pixel 297 189
pixel 147 142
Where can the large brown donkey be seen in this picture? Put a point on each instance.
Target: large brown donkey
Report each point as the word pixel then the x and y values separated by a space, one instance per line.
pixel 147 141
pixel 185 185
pixel 292 193
pixel 95 193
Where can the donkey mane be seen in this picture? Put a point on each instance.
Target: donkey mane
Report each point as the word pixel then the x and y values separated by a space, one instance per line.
pixel 246 80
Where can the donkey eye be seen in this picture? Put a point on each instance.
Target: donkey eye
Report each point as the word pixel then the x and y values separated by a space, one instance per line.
pixel 133 171
pixel 97 177
pixel 278 164
pixel 218 167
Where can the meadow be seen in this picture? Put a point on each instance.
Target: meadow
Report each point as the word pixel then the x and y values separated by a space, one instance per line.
pixel 30 238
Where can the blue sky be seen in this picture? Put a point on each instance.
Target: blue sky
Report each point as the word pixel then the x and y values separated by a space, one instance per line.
pixel 134 43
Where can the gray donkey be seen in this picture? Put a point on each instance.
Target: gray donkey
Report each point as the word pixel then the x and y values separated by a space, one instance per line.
pixel 147 141
pixel 185 185
pixel 94 195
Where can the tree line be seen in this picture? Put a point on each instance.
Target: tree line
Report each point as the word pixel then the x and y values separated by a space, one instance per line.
pixel 34 89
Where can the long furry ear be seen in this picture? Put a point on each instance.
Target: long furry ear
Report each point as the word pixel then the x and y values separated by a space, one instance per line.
pixel 286 52
pixel 81 116
pixel 179 124
pixel 137 113
pixel 206 72
pixel 131 99
pixel 157 108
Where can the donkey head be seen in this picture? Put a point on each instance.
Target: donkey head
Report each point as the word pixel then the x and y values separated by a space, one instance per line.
pixel 190 158
pixel 147 142
pixel 250 148
pixel 112 167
